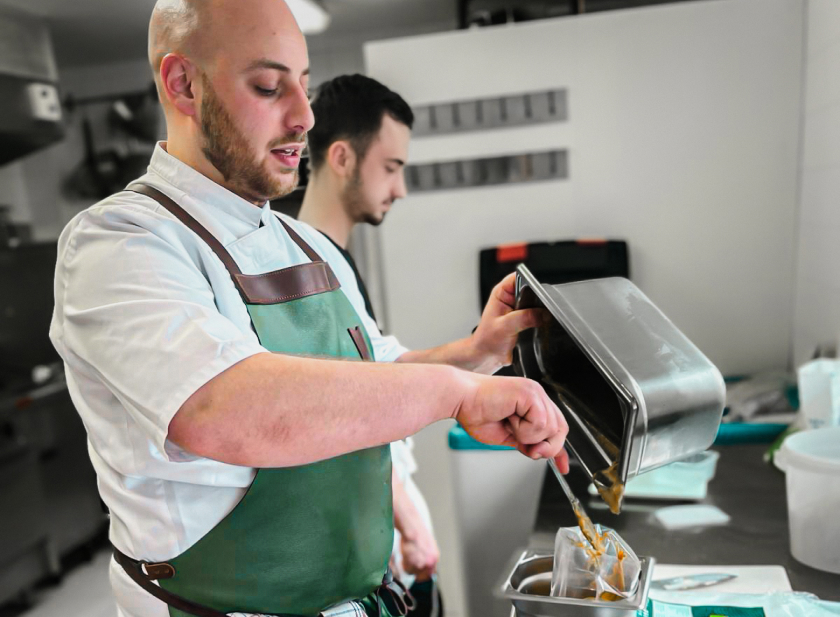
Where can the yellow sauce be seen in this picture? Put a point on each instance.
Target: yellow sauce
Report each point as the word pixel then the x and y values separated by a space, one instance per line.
pixel 596 546
pixel 610 488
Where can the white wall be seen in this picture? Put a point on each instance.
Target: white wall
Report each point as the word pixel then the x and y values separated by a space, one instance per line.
pixel 683 140
pixel 817 317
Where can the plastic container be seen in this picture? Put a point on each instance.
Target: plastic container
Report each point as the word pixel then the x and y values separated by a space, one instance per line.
pixel 685 480
pixel 497 491
pixel 811 461
pixel 819 392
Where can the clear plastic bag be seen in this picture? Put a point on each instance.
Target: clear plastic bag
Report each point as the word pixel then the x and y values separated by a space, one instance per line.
pixel 612 573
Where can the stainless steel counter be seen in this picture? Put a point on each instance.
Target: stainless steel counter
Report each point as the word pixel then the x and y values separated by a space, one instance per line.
pixel 749 490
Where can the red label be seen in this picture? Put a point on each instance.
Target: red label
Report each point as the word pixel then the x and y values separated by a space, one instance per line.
pixel 512 252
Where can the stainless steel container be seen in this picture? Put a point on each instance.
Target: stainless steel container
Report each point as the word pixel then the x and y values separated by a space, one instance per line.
pixel 528 584
pixel 637 394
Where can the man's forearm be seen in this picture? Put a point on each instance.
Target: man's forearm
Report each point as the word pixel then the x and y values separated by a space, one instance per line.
pixel 462 354
pixel 274 410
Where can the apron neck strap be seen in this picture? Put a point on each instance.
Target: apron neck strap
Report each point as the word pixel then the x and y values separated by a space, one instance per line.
pixel 308 250
pixel 182 215
pixel 187 219
pixel 270 288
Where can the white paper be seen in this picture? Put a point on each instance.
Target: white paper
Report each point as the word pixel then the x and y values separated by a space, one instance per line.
pixel 749 579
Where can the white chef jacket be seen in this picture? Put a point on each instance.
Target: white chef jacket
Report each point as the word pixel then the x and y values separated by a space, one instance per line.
pixel 405 466
pixel 145 314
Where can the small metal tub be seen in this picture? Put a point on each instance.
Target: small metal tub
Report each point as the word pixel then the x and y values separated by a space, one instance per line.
pixel 528 585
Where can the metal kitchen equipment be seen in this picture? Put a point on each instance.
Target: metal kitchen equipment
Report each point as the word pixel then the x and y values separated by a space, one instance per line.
pixel 636 393
pixel 587 527
pixel 30 109
pixel 528 584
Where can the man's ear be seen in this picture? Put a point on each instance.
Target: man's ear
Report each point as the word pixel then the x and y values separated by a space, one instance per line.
pixel 178 78
pixel 341 158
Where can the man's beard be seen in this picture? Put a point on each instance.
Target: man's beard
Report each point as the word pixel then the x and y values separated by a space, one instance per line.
pixel 357 205
pixel 228 150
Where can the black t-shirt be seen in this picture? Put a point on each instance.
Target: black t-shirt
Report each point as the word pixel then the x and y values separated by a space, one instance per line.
pixel 362 288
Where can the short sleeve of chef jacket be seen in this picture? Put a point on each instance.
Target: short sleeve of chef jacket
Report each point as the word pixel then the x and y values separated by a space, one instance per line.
pixel 137 314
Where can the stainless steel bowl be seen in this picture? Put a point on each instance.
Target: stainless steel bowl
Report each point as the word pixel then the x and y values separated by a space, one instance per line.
pixel 528 584
pixel 635 391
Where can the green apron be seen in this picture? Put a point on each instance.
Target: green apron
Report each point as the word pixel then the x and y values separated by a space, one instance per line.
pixel 302 538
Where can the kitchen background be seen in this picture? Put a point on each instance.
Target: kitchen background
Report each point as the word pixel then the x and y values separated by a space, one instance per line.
pixel 706 134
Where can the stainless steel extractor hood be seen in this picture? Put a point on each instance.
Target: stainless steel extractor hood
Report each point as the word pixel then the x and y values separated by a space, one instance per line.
pixel 30 107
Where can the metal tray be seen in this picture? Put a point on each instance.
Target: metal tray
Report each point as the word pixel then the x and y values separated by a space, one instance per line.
pixel 528 585
pixel 634 389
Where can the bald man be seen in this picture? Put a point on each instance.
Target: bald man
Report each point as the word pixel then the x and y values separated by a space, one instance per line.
pixel 237 397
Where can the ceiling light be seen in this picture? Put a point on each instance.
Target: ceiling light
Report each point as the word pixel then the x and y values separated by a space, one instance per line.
pixel 310 15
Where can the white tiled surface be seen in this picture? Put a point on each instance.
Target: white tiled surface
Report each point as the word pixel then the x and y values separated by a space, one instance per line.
pixel 817 310
pixel 84 592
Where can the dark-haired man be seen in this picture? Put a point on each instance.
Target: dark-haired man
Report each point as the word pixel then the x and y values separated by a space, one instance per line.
pixel 358 148
pixel 357 151
pixel 215 356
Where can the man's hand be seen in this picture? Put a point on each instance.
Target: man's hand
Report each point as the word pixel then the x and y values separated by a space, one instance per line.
pixel 420 554
pixel 495 337
pixel 513 411
pixel 418 548
pixel 491 345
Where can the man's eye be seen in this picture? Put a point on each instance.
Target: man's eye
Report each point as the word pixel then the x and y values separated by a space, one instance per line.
pixel 390 170
pixel 265 91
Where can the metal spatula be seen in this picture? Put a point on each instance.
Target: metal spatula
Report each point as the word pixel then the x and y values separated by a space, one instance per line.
pixel 585 523
pixel 692 581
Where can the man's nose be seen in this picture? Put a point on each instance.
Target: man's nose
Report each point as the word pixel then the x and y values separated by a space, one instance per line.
pixel 400 191
pixel 300 118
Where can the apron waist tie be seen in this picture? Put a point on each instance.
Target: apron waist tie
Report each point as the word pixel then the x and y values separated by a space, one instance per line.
pixel 401 597
pixel 144 573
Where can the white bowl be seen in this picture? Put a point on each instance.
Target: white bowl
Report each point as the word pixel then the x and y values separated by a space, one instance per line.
pixel 811 462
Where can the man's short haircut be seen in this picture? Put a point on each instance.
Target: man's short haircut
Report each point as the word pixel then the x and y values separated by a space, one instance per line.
pixel 351 108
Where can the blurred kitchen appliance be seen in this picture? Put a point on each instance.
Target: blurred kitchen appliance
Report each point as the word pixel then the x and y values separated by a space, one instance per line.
pixel 637 394
pixel 26 303
pixel 26 553
pixel 30 108
pixel 45 469
pixel 12 233
pixel 553 262
pixel 134 124
pixel 482 13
